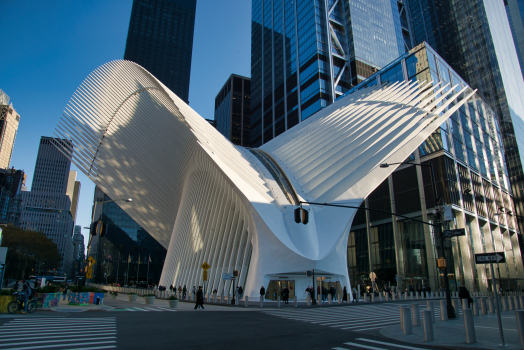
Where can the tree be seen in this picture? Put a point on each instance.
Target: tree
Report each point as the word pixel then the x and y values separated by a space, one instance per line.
pixel 27 250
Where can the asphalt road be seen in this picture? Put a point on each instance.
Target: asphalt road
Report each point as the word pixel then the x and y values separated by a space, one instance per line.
pixel 180 330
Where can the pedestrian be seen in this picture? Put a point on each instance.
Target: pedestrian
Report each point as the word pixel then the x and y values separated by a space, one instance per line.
pixel 262 290
pixel 464 294
pixel 344 294
pixel 312 294
pixel 333 293
pixel 64 290
pixel 240 292
pixel 355 296
pixel 184 291
pixel 194 291
pixel 199 298
pixel 324 293
pixel 24 294
pixel 285 294
pixel 171 288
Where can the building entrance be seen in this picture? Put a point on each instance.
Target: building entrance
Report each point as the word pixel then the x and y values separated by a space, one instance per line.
pixel 276 287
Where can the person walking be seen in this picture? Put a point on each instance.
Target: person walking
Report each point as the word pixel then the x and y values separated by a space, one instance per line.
pixel 24 294
pixel 464 294
pixel 199 298
pixel 65 287
pixel 184 291
pixel 285 294
pixel 240 292
pixel 262 290
pixel 355 296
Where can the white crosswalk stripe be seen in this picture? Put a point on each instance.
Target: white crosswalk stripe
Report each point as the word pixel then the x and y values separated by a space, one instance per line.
pixel 355 317
pixel 364 343
pixel 147 309
pixel 58 333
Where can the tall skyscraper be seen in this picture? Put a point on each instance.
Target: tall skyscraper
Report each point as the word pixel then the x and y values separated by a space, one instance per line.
pixel 9 120
pixel 474 37
pixel 78 251
pixel 515 11
pixel 232 110
pixel 160 39
pixel 49 207
pixel 305 54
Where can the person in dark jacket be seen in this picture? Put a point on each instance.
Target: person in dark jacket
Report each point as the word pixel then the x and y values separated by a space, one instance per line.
pixel 199 298
pixel 262 290
pixel 285 294
pixel 344 294
pixel 464 294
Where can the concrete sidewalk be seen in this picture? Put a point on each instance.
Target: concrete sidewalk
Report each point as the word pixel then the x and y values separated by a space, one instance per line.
pixel 452 333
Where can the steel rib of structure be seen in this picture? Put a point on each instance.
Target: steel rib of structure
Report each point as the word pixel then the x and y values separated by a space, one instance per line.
pixel 205 199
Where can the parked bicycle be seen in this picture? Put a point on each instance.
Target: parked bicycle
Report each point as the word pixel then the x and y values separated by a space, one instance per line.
pixel 18 304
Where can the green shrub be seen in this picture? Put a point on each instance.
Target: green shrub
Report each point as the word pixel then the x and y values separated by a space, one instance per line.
pixel 7 291
pixel 173 298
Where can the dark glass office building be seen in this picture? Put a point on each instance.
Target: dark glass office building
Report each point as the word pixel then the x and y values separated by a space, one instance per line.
pixel 160 38
pixel 123 253
pixel 305 54
pixel 232 110
pixel 474 37
pixel 470 173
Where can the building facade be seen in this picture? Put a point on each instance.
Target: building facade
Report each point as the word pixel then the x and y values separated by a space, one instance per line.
pixel 79 255
pixel 467 156
pixel 232 110
pixel 48 207
pixel 9 121
pixel 12 183
pixel 126 252
pixel 160 39
pixel 515 11
pixel 475 38
pixel 305 54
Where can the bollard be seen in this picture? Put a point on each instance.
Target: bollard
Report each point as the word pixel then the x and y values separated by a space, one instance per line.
pixel 516 302
pixel 329 299
pixel 483 308
pixel 379 296
pixel 429 307
pixel 214 298
pixel 262 301
pixel 387 296
pixel 365 297
pixel 411 295
pixel 278 301
pixel 372 297
pixel 416 295
pixel 393 296
pixel 504 303
pixel 511 303
pixel 416 315
pixel 521 301
pixel 456 306
pixel 406 321
pixel 475 307
pixel 491 305
pixel 405 295
pixel 308 299
pixel 222 298
pixel 520 326
pixel 319 300
pixel 401 317
pixel 428 325
pixel 339 299
pixel 443 311
pixel 246 301
pixel 469 326
pixel 295 301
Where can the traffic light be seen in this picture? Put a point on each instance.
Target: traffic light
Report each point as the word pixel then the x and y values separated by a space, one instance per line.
pixel 235 273
pixel 298 219
pixel 301 216
pixel 97 228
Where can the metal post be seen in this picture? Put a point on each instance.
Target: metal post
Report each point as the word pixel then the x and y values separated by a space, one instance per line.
pixel 406 321
pixel 511 303
pixel 429 307
pixel 401 316
pixel 329 299
pixel 319 296
pixel 520 326
pixel 497 303
pixel 469 326
pixel 246 301
pixel 295 302
pixel 475 307
pixel 314 287
pixel 261 301
pixel 483 307
pixel 443 311
pixel 504 303
pixel 339 299
pixel 416 315
pixel 411 295
pixel 278 300
pixel 456 307
pixel 308 297
pixel 428 325
pixel 491 305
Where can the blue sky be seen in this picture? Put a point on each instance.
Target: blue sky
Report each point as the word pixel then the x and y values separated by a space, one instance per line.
pixel 51 46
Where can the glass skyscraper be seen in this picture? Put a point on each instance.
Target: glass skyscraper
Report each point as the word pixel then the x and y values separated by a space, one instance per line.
pixel 232 110
pixel 306 53
pixel 515 11
pixel 160 39
pixel 470 173
pixel 474 37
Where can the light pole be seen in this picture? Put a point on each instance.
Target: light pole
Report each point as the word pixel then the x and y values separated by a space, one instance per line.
pixel 450 309
pixel 93 220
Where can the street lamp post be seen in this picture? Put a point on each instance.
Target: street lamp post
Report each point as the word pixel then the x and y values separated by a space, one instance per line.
pixel 450 309
pixel 93 220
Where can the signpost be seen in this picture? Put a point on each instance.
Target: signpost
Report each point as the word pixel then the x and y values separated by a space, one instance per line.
pixel 490 258
pixel 205 266
pixel 89 273
pixel 454 233
pixel 227 276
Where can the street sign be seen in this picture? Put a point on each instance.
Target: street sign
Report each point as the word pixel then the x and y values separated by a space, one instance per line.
pixel 205 266
pixel 91 260
pixel 227 276
pixel 448 213
pixel 454 233
pixel 205 275
pixel 490 258
pixel 89 273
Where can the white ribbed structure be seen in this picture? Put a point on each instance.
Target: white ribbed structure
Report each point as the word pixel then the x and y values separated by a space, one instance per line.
pixel 207 200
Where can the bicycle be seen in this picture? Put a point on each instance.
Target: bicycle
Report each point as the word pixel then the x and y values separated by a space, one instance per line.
pixel 18 305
